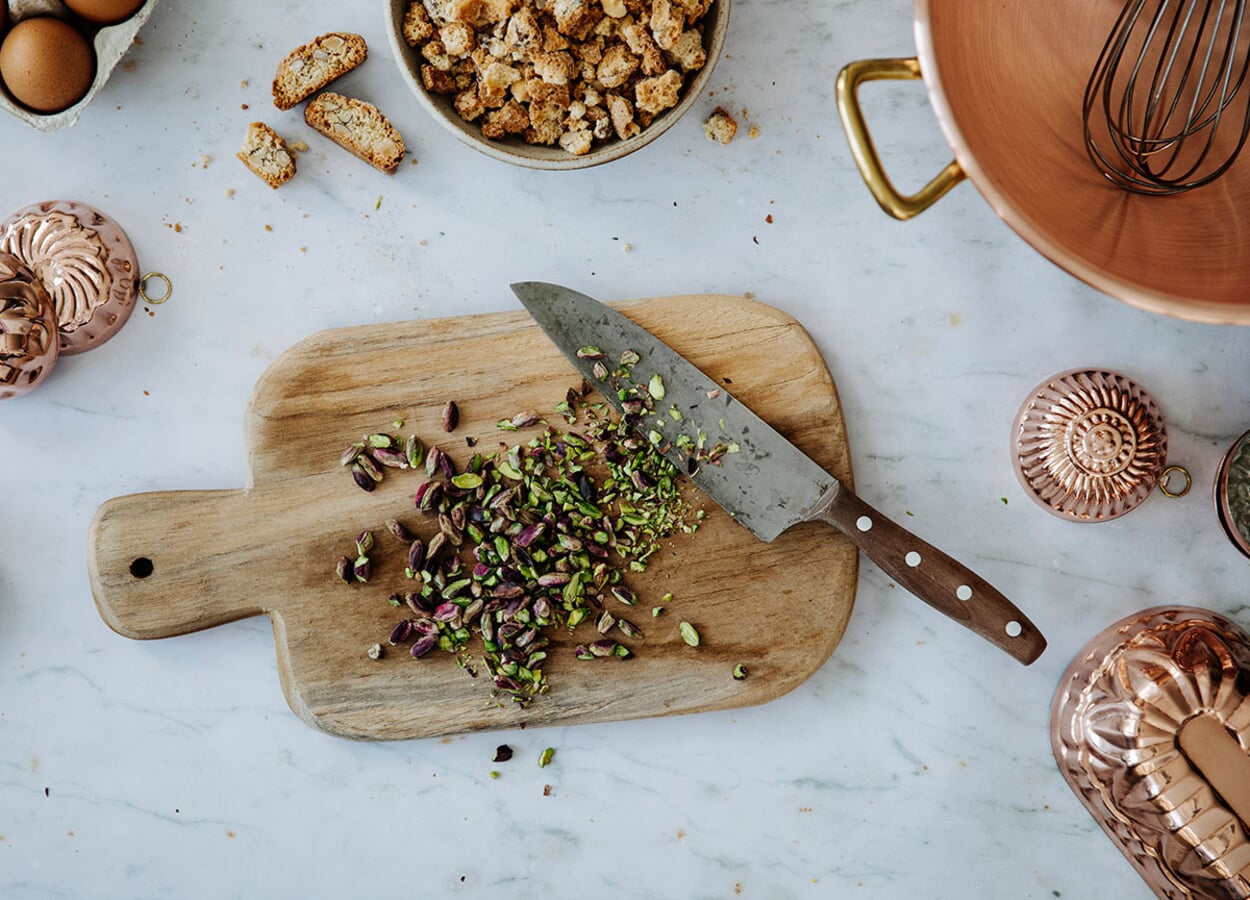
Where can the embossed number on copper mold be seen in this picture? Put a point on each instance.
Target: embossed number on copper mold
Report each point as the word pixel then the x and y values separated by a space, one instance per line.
pixel 1090 445
pixel 86 263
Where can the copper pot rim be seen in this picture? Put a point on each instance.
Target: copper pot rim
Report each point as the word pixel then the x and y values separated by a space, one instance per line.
pixel 1136 294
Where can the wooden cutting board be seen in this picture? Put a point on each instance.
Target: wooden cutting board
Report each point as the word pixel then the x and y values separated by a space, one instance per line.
pixel 173 562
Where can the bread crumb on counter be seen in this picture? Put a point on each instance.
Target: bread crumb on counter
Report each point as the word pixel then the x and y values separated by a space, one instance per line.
pixel 720 126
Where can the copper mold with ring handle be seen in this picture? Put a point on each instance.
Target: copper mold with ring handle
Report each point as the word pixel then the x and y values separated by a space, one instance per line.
pixel 1090 445
pixel 1150 727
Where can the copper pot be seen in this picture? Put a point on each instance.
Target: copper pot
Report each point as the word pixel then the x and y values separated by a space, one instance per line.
pixel 1006 82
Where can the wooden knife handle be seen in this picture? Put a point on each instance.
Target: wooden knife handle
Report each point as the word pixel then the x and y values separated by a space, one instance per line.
pixel 937 579
pixel 177 561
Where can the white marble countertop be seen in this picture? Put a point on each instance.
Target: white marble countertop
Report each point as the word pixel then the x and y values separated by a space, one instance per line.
pixel 915 763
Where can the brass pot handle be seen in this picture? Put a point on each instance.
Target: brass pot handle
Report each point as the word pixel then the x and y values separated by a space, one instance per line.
pixel 897 204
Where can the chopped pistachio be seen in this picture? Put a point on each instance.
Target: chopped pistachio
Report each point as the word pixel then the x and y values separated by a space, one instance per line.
pixel 689 633
pixel 544 759
pixel 655 387
pixel 740 672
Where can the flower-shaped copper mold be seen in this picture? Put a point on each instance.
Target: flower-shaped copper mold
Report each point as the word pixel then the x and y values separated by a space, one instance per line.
pixel 1089 445
pixel 86 263
pixel 1232 493
pixel 28 330
pixel 1150 727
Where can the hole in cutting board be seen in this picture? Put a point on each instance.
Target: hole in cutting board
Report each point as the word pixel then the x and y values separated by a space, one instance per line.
pixel 141 567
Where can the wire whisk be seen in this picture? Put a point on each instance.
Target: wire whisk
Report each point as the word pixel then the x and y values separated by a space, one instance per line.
pixel 1167 76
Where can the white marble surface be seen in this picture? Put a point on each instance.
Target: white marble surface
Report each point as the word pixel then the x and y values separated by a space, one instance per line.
pixel 915 763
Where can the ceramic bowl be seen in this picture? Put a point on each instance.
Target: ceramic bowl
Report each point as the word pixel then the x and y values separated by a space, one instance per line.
pixel 514 150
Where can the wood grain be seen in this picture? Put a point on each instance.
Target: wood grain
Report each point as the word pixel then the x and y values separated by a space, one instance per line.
pixel 270 548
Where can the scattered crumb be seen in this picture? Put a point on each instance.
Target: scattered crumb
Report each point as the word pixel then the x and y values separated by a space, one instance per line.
pixel 229 834
pixel 805 809
pixel 769 218
pixel 205 159
pixel 303 249
pixel 146 394
pixel 720 126
pixel 243 106
pixel 229 193
pixel 243 83
pixel 737 887
pixel 299 146
pixel 749 295
pixel 955 318
pixel 753 132
pixel 681 833
pixel 130 65
pixel 546 793
pixel 627 247
pixel 269 228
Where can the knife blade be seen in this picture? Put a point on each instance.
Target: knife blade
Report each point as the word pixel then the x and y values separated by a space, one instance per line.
pixel 751 471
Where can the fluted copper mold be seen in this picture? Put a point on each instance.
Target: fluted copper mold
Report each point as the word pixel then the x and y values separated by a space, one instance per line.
pixel 1150 727
pixel 1089 445
pixel 29 343
pixel 86 263
pixel 1232 493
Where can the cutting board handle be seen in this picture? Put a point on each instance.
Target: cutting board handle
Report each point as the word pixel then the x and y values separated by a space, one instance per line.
pixel 173 562
pixel 940 581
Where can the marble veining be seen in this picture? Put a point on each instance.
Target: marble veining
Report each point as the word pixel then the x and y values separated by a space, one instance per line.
pixel 915 763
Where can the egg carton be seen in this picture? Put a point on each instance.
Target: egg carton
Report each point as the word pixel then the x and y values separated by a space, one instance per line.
pixel 110 42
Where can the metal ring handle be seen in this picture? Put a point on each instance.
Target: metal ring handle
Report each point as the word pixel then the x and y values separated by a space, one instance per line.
pixel 895 203
pixel 1168 472
pixel 159 276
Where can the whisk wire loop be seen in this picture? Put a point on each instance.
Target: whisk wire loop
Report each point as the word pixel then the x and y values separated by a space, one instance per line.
pixel 1165 78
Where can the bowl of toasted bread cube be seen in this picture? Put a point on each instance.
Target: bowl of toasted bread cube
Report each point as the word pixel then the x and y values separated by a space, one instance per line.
pixel 557 84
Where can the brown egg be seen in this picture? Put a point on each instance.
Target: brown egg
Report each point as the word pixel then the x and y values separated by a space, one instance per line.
pixel 104 12
pixel 46 64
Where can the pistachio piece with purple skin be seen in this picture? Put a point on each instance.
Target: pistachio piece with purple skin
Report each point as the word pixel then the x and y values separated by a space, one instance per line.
pixel 364 543
pixel 400 633
pixel 451 416
pixel 629 629
pixel 361 569
pixel 424 645
pixel 605 622
pixel 526 419
pixel 624 594
pixel 602 649
pixel 380 440
pixel 445 463
pixel 344 570
pixel 428 495
pixel 350 454
pixel 362 479
pixel 390 457
pixel 370 467
pixel 401 532
pixel 414 450
pixel 431 461
pixel 435 547
pixel 416 555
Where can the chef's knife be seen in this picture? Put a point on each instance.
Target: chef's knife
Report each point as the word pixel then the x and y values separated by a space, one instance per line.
pixel 756 475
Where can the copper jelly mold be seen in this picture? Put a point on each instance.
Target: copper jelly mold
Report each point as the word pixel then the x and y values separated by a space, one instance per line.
pixel 1150 727
pixel 1089 445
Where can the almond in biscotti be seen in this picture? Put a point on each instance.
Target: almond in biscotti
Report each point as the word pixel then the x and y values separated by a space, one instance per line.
pixel 358 127
pixel 267 155
pixel 307 69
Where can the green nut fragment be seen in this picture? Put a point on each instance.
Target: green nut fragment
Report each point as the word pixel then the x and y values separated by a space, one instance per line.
pixel 494 773
pixel 689 634
pixel 544 758
pixel 467 481
pixel 655 387
pixel 740 672
pixel 655 611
